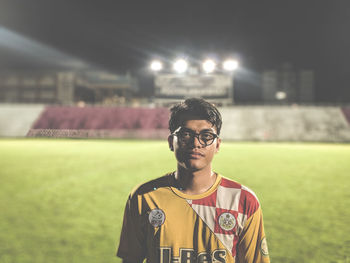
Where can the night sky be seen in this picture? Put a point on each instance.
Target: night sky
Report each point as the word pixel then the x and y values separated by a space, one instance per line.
pixel 123 36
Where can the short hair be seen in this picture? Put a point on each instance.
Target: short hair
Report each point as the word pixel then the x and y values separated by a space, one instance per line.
pixel 194 108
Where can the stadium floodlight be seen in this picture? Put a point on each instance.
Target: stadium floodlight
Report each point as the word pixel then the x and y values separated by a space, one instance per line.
pixel 230 65
pixel 209 66
pixel 180 65
pixel 281 95
pixel 156 65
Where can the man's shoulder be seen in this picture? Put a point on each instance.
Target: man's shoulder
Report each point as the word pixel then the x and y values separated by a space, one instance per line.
pixel 152 185
pixel 248 202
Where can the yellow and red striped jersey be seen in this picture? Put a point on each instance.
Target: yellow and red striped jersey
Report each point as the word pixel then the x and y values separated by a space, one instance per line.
pixel 162 224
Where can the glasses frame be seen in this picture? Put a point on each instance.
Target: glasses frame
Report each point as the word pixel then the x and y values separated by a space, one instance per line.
pixel 195 135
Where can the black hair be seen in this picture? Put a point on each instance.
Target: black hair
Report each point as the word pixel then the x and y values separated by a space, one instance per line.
pixel 194 108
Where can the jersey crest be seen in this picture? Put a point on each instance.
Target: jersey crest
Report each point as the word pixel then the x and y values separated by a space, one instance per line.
pixel 156 217
pixel 227 221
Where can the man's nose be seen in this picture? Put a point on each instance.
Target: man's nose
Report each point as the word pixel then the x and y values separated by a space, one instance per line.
pixel 196 142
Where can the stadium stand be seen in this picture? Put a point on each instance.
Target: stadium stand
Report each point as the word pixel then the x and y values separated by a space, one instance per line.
pixel 102 122
pixel 346 112
pixel 16 119
pixel 285 123
pixel 241 123
pixel 102 118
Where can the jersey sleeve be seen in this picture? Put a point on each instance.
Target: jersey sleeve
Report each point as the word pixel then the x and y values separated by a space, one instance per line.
pixel 252 246
pixel 132 238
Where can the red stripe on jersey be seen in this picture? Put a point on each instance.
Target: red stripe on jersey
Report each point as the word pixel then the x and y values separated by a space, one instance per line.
pixel 234 251
pixel 248 204
pixel 229 183
pixel 207 201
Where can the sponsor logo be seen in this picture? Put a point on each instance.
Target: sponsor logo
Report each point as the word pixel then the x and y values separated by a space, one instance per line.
pixel 156 217
pixel 227 221
pixel 263 247
pixel 189 256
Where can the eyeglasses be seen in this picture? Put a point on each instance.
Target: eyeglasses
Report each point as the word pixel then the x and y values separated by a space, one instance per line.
pixel 187 136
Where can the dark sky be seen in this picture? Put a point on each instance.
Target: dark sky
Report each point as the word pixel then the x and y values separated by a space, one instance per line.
pixel 124 35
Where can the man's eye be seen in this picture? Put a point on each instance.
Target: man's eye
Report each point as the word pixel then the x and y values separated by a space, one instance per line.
pixel 186 134
pixel 207 136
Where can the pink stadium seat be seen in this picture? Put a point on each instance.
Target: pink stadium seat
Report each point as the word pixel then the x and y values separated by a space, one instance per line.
pixel 102 118
pixel 346 112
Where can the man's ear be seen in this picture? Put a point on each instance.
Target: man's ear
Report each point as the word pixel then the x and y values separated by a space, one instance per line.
pixel 218 142
pixel 170 142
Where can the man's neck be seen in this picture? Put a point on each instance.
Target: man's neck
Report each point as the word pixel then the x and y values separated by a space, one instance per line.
pixel 194 182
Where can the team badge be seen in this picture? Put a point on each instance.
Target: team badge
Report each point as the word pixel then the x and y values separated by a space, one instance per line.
pixel 156 217
pixel 227 221
pixel 263 247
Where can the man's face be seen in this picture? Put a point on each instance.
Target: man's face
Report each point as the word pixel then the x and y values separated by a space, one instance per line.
pixel 190 153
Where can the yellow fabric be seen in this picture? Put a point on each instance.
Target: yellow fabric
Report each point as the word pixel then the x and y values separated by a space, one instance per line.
pixel 251 243
pixel 183 237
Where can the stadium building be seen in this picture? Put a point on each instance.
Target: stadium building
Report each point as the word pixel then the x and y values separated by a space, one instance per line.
pixel 66 87
pixel 287 85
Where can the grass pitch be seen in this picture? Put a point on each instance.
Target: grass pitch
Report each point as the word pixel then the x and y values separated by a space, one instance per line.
pixel 63 200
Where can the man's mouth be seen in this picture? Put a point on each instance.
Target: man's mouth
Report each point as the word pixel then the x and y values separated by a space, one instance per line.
pixel 195 155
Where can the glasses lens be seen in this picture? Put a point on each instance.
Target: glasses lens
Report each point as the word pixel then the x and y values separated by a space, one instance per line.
pixel 185 136
pixel 206 138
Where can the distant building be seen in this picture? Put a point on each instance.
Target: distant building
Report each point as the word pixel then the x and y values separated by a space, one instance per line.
pixel 217 88
pixel 306 86
pixel 288 85
pixel 269 85
pixel 68 87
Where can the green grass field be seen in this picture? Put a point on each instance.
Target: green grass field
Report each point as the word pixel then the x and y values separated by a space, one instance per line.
pixel 63 200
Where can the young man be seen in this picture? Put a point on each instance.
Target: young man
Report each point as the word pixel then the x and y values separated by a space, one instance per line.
pixel 193 214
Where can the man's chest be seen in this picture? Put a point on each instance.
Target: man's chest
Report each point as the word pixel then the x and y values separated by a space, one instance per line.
pixel 181 233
